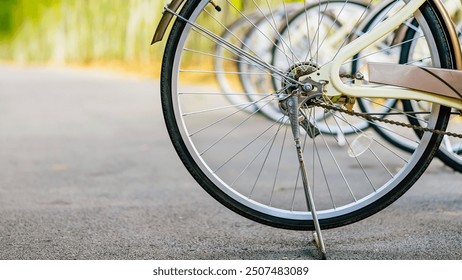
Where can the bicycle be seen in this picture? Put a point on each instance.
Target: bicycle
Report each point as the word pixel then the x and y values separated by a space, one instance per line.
pixel 248 162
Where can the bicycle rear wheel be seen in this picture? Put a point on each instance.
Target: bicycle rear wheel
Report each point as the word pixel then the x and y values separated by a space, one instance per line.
pixel 248 162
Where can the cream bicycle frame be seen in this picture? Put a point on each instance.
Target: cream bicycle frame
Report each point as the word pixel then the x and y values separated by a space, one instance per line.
pixel 330 71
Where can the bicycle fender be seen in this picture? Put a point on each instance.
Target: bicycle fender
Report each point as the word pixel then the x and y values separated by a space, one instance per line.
pixel 450 32
pixel 165 20
pixel 445 82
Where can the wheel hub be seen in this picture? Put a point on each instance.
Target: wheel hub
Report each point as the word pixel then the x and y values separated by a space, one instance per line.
pixel 301 72
pixel 306 87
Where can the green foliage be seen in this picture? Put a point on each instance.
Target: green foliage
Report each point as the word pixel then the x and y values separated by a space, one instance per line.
pixel 78 30
pixel 6 17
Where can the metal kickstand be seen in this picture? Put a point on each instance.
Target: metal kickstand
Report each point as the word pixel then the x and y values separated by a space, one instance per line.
pixel 293 112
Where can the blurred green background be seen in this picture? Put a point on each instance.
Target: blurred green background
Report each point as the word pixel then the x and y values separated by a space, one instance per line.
pixel 79 31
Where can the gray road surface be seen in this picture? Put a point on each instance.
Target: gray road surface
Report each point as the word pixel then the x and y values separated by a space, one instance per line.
pixel 87 172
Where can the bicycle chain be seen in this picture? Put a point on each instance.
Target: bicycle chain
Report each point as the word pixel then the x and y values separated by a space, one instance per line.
pixel 369 117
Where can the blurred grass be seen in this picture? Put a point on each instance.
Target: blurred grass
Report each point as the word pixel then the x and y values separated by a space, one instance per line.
pixel 115 32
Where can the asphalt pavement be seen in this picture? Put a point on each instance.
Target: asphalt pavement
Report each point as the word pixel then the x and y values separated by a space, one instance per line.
pixel 87 172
